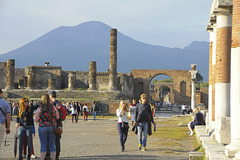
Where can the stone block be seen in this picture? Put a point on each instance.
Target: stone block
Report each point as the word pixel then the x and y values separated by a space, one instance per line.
pixel 223 130
pixel 196 155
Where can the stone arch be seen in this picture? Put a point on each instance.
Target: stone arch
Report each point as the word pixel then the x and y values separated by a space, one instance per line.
pixel 146 75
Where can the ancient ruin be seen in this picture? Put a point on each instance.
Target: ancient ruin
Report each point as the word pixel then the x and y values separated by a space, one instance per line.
pixel 105 87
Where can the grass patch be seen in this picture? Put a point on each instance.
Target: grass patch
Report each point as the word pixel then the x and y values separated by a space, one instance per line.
pixel 169 129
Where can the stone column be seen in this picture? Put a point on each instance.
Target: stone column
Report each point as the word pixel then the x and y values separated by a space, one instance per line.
pixel 222 84
pixel 193 72
pixel 51 84
pixel 234 146
pixel 113 60
pixel 21 83
pixel 71 80
pixel 92 75
pixel 30 80
pixel 10 74
pixel 212 36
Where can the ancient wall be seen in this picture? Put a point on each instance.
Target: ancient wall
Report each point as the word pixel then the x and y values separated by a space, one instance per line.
pixel 126 85
pixel 3 74
pixel 41 74
pixel 143 77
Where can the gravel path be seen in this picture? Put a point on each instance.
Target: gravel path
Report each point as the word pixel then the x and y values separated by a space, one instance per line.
pixel 99 140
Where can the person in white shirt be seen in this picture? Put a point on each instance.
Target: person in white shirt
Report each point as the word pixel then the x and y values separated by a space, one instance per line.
pixel 122 125
pixel 132 109
pixel 184 108
pixel 74 113
pixel 85 111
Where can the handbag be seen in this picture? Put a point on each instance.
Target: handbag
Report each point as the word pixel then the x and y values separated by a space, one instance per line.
pixel 125 125
pixel 58 130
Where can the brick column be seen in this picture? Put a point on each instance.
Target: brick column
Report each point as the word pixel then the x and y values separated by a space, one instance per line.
pixel 222 83
pixel 213 79
pixel 10 73
pixel 92 75
pixel 234 146
pixel 113 60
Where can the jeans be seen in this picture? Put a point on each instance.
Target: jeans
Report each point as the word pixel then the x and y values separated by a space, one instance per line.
pixel 47 137
pixel 123 133
pixel 94 115
pixel 21 134
pixel 142 128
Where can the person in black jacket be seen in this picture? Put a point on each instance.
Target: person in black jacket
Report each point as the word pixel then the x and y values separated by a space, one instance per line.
pixel 143 115
pixel 198 120
pixel 24 123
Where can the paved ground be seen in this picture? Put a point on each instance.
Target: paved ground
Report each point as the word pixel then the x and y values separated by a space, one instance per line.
pixel 100 140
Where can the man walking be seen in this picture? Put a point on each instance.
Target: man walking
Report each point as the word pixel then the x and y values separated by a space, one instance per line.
pixel 52 96
pixel 93 110
pixel 143 116
pixel 5 117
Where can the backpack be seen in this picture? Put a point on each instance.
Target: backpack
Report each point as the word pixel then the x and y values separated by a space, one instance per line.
pixel 84 109
pixel 63 111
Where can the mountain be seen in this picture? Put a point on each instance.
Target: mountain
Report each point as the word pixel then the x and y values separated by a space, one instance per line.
pixel 72 47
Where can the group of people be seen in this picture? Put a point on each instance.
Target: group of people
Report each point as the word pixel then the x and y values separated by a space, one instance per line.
pixel 49 115
pixel 141 116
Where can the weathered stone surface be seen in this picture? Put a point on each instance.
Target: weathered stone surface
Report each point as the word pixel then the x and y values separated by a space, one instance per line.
pixel 196 155
pixel 113 60
pixel 92 76
pixel 223 130
pixel 10 73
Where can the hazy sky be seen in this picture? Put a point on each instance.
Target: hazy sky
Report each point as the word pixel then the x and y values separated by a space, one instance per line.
pixel 171 23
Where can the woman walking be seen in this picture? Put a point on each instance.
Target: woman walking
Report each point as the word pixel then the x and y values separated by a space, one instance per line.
pixel 46 115
pixel 25 126
pixel 122 123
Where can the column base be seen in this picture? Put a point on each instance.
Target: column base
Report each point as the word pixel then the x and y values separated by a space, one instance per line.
pixel 223 130
pixel 232 149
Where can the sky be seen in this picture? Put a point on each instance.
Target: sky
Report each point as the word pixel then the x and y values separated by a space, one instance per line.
pixel 170 23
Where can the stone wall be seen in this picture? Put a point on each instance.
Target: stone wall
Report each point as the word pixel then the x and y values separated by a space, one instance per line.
pixel 3 74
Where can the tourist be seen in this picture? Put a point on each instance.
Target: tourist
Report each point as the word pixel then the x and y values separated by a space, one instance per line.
pixel 152 109
pixel 25 145
pixel 46 115
pixel 143 116
pixel 56 103
pixel 5 117
pixel 198 120
pixel 184 108
pixel 122 123
pixel 78 110
pixel 85 111
pixel 132 110
pixel 24 123
pixel 74 112
pixel 93 110
pixel 15 108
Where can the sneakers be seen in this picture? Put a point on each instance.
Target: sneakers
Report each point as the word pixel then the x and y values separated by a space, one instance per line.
pixel 24 156
pixel 190 133
pixel 139 147
pixel 144 149
pixel 33 156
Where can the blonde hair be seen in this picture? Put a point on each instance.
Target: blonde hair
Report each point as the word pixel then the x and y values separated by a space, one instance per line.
pixel 22 107
pixel 120 105
pixel 143 95
pixel 196 110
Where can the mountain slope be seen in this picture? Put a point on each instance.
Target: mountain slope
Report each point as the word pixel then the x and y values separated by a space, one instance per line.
pixel 73 47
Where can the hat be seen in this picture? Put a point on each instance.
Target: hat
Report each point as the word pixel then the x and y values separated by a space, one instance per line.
pixel 52 93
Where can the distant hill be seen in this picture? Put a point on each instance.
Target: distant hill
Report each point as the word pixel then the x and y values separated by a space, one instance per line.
pixel 72 47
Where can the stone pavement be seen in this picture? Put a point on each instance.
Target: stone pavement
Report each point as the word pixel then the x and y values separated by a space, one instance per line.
pixel 99 140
